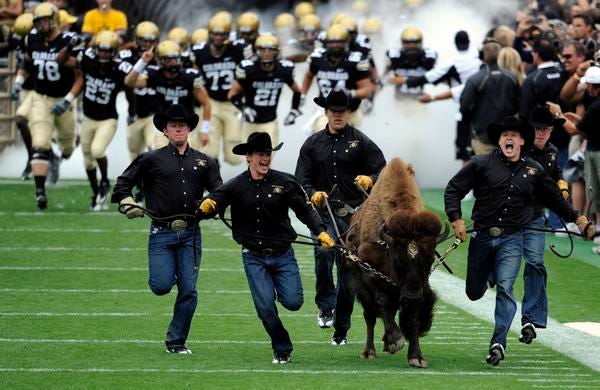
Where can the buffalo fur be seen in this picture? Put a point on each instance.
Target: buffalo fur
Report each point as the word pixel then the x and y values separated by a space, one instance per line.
pixel 395 208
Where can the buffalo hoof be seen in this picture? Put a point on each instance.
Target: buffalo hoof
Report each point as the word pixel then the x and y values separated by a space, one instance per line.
pixel 395 346
pixel 368 354
pixel 417 362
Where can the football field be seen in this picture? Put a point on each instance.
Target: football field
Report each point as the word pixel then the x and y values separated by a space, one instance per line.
pixel 76 312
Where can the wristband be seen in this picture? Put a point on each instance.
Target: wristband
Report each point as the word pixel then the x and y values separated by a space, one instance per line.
pixel 19 79
pixel 205 127
pixel 140 66
pixel 70 97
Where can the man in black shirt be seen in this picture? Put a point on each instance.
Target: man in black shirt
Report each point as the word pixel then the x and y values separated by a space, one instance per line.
pixel 173 179
pixel 338 156
pixel 506 185
pixel 260 199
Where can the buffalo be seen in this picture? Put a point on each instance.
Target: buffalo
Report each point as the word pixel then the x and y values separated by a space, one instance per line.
pixel 393 234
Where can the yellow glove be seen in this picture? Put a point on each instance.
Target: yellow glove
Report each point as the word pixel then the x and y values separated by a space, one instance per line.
pixel 131 212
pixel 585 227
pixel 326 240
pixel 460 231
pixel 564 187
pixel 318 198
pixel 365 182
pixel 208 206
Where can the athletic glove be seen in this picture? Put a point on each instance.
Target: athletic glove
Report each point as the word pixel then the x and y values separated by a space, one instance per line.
pixel 131 212
pixel 365 182
pixel 318 198
pixel 60 107
pixel 290 119
pixel 460 231
pixel 16 90
pixel 326 240
pixel 585 227
pixel 208 206
pixel 564 188
pixel 249 114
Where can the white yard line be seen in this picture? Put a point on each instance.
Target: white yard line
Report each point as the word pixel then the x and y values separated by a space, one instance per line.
pixel 97 249
pixel 573 343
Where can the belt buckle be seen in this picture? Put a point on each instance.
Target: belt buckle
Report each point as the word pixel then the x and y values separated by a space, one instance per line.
pixel 268 252
pixel 495 231
pixel 178 225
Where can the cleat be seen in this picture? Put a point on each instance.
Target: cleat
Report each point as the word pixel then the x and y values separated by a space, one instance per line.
pixel 54 169
pixel 103 193
pixel 496 353
pixel 338 339
pixel 527 333
pixel 94 204
pixel 282 358
pixel 325 318
pixel 178 348
pixel 41 200
pixel 26 175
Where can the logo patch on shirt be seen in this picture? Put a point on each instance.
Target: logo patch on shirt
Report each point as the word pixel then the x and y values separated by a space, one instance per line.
pixel 201 163
pixel 277 189
pixel 532 170
pixel 552 156
pixel 353 144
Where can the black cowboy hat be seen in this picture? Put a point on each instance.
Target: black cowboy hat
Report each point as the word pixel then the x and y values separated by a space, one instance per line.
pixel 542 117
pixel 259 141
pixel 178 113
pixel 337 100
pixel 511 123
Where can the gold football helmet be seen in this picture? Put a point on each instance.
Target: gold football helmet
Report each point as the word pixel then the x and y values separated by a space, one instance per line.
pixel 360 7
pixel 199 35
pixel 284 21
pixel 225 15
pixel 267 41
pixel 304 8
pixel 248 22
pixel 168 49
pixel 47 10
pixel 23 24
pixel 180 36
pixel 310 23
pixel 372 26
pixel 411 34
pixel 350 24
pixel 106 40
pixel 147 31
pixel 336 33
pixel 337 18
pixel 219 24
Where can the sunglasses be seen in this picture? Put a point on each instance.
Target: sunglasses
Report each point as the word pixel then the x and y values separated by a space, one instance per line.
pixel 567 56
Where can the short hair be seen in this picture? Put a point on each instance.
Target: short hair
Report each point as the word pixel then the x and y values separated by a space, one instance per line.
pixel 491 49
pixel 544 49
pixel 580 50
pixel 587 19
pixel 505 36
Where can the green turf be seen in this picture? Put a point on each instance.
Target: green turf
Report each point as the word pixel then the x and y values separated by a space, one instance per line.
pixel 75 312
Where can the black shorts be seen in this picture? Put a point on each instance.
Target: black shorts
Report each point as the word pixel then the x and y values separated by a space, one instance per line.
pixel 464 151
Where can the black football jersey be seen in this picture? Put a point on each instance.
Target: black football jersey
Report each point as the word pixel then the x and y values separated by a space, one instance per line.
pixel 49 77
pixel 261 89
pixel 354 67
pixel 19 48
pixel 101 87
pixel 178 90
pixel 402 67
pixel 219 72
pixel 145 98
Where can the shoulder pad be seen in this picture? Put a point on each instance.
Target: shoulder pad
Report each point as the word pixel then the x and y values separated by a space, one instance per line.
pixel 153 67
pixel 318 52
pixel 394 52
pixel 355 56
pixel 192 71
pixel 68 34
pixel 246 63
pixel 239 42
pixel 125 53
pixel 363 41
pixel 199 46
pixel 90 53
pixel 363 65
pixel 286 63
pixel 430 53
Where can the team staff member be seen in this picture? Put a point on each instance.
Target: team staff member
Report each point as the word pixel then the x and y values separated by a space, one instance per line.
pixel 507 185
pixel 257 88
pixel 55 87
pixel 172 83
pixel 217 60
pixel 343 156
pixel 104 78
pixel 173 178
pixel 260 199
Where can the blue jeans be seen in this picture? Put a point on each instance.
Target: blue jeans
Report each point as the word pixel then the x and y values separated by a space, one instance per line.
pixel 327 296
pixel 501 255
pixel 270 278
pixel 170 262
pixel 535 300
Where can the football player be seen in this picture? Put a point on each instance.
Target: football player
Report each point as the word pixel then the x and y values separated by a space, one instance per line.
pixel 248 24
pixel 298 49
pixel 217 60
pixel 257 89
pixel 336 67
pixel 180 36
pixel 55 86
pixel 104 77
pixel 173 85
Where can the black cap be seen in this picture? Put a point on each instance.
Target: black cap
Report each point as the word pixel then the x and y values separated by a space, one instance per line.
pixel 461 40
pixel 494 130
pixel 176 112
pixel 337 100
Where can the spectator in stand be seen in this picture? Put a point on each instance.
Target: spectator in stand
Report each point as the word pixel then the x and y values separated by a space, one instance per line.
pixel 9 10
pixel 582 26
pixel 104 18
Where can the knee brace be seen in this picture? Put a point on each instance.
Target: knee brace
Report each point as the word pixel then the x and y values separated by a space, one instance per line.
pixel 40 156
